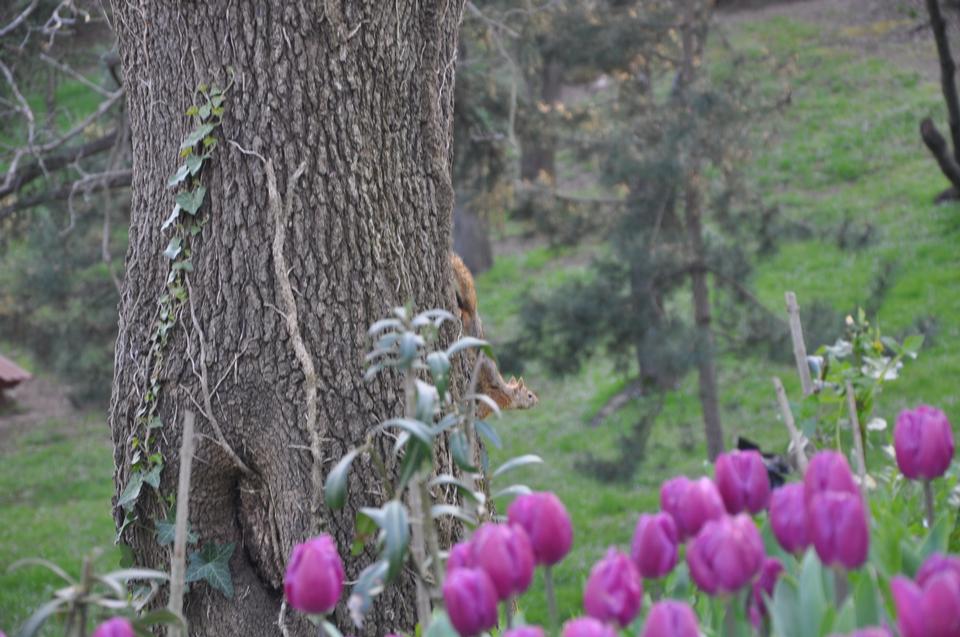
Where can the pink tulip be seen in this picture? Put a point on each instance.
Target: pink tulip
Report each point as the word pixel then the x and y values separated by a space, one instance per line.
pixel 587 627
pixel 764 586
pixel 471 601
pixel 742 480
pixel 547 524
pixel 935 564
pixel 461 556
pixel 613 591
pixel 504 552
pixel 788 518
pixel 654 546
pixel 931 611
pixel 116 627
pixel 838 528
pixel 671 619
pixel 827 471
pixel 691 503
pixel 725 555
pixel 314 578
pixel 923 441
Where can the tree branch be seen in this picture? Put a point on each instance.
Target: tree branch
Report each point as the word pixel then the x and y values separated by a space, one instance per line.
pixel 938 147
pixel 26 174
pixel 116 179
pixel 947 76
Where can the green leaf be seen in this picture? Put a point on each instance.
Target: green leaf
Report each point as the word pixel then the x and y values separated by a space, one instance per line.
pixel 784 611
pixel 329 629
pixel 440 626
pixel 383 324
pixel 162 616
pixel 912 344
pixel 42 614
pixel 461 452
pixel 469 341
pixel 369 584
pixel 813 598
pixel 211 564
pixel 172 219
pixel 519 461
pixel 152 477
pixel 416 428
pixel 335 490
pixel 204 111
pixel 866 599
pixel 513 490
pixel 413 459
pixel 439 365
pixel 464 489
pixel 179 176
pixel 173 248
pixel 392 520
pixel 426 402
pixel 196 135
pixel 938 537
pixel 191 200
pixel 486 430
pixel 165 530
pixel 130 493
pixel 194 163
pixel 454 511
pixel 409 343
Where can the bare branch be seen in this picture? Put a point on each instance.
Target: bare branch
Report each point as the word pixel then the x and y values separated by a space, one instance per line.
pixel 116 179
pixel 80 77
pixel 17 21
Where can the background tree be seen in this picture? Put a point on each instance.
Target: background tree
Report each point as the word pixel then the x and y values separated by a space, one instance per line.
pixel 268 336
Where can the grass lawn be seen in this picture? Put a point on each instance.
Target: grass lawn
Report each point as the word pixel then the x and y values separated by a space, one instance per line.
pixel 847 147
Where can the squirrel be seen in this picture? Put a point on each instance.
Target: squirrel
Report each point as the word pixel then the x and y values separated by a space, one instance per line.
pixel 508 394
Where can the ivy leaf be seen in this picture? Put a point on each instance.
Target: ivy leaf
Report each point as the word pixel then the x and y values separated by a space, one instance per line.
pixel 204 111
pixel 194 163
pixel 196 135
pixel 131 492
pixel 152 477
pixel 179 176
pixel 211 564
pixel 166 530
pixel 172 219
pixel 173 248
pixel 191 200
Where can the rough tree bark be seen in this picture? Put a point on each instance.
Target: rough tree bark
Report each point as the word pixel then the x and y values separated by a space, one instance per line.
pixel 362 92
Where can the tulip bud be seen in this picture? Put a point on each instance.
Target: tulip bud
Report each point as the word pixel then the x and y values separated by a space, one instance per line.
pixel 743 482
pixel 828 471
pixel 471 601
pixel 547 524
pixel 525 631
pixel 314 578
pixel 726 554
pixel 654 546
pixel 765 585
pixel 461 556
pixel 788 517
pixel 587 627
pixel 930 611
pixel 691 503
pixel 838 528
pixel 116 627
pixel 671 619
pixel 935 564
pixel 613 591
pixel 923 441
pixel 504 552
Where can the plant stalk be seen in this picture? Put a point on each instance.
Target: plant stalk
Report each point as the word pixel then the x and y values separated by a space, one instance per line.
pixel 508 610
pixel 730 617
pixel 928 501
pixel 551 598
pixel 841 586
pixel 418 527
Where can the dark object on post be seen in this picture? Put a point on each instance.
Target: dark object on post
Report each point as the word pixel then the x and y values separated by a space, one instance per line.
pixel 777 466
pixel 11 375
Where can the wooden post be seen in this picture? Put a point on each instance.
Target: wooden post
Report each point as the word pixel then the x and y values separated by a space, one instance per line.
pixel 795 436
pixel 857 440
pixel 799 347
pixel 178 564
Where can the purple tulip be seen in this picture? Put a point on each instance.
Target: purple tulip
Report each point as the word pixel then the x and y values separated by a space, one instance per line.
pixel 827 471
pixel 931 611
pixel 525 631
pixel 788 517
pixel 923 440
pixel 742 481
pixel 764 586
pixel 691 503
pixel 471 601
pixel 613 591
pixel 504 552
pixel 461 556
pixel 671 619
pixel 314 579
pixel 654 545
pixel 547 523
pixel 587 627
pixel 935 564
pixel 116 627
pixel 726 554
pixel 838 528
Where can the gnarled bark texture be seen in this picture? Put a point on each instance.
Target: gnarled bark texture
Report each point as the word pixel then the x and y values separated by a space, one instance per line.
pixel 362 92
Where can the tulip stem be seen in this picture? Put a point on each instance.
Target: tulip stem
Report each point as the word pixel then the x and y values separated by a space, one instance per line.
pixel 508 610
pixel 928 500
pixel 551 597
pixel 841 586
pixel 730 617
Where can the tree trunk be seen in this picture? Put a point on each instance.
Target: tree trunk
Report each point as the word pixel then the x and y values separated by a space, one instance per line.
pixel 362 93
pixel 947 73
pixel 707 373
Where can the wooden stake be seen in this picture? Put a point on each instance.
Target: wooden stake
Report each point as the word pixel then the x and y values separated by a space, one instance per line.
pixel 799 347
pixel 795 436
pixel 178 563
pixel 857 440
